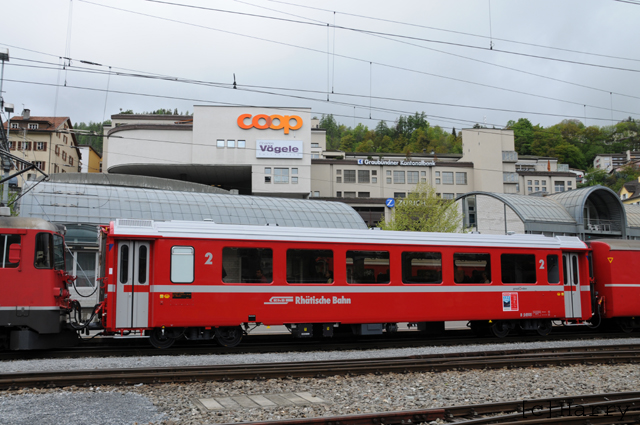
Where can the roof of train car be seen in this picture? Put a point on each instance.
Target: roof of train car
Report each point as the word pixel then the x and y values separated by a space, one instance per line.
pixel 204 229
pixel 620 244
pixel 29 223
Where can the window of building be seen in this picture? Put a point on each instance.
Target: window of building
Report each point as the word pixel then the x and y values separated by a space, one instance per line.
pixel 364 194
pixel 398 177
pixel 58 150
pixel 349 194
pixel 423 173
pixel 315 145
pixel 316 193
pixel 398 195
pixel 421 267
pixel 70 160
pixel 339 172
pixel 529 182
pixel 33 126
pixel 363 176
pixel 448 196
pixel 412 177
pixel 64 155
pixel 368 267
pixel 242 144
pixel 437 173
pixel 559 186
pixel 472 268
pixel 374 180
pixel 220 143
pixel 267 170
pixel 461 178
pixel 339 194
pixel 5 244
pixel 423 179
pixel 338 179
pixel 15 125
pixel 537 189
pixel 374 172
pixel 64 139
pixel 447 177
pixel 315 156
pixel 388 172
pixel 537 182
pixel 182 264
pixel 349 176
pixel 267 179
pixel 529 189
pixel 309 266
pixel 518 268
pixel 544 182
pixel 437 181
pixel 281 175
pixel 388 180
pixel 24 146
pixel 231 143
pixel 39 164
pixel 40 146
pixel 247 265
pixel 569 183
pixel 294 179
pixel 294 171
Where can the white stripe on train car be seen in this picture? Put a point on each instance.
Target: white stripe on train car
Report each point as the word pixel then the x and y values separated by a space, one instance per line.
pixel 217 289
pixel 622 285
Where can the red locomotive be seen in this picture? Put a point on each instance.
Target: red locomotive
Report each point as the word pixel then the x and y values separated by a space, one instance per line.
pixel 35 300
pixel 201 280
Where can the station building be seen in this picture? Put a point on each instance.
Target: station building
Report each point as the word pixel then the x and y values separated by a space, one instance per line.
pixel 281 152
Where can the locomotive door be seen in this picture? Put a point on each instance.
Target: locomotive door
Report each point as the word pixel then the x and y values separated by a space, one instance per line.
pixel 132 305
pixel 572 291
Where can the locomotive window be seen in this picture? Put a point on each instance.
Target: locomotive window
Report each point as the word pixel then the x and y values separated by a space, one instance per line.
pixel 142 264
pixel 421 267
pixel 5 243
pixel 58 252
pixel 518 268
pixel 124 263
pixel 43 251
pixel 472 268
pixel 309 266
pixel 247 265
pixel 553 269
pixel 367 267
pixel 182 264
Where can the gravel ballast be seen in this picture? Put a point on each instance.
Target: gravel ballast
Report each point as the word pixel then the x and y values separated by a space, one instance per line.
pixel 173 403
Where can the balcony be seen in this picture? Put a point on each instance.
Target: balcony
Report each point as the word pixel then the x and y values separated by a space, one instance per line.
pixel 509 156
pixel 601 226
pixel 508 177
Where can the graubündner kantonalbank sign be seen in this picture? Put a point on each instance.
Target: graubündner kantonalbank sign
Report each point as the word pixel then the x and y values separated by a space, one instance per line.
pixel 407 163
pixel 279 149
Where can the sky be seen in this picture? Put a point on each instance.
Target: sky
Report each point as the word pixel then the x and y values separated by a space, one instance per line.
pixel 460 62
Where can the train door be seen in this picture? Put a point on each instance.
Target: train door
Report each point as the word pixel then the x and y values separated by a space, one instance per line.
pixel 132 305
pixel 570 267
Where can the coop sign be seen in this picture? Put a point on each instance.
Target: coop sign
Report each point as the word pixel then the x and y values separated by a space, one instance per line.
pixel 273 122
pixel 404 163
pixel 283 149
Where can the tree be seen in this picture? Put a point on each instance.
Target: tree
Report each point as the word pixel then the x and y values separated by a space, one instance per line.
pixel 424 211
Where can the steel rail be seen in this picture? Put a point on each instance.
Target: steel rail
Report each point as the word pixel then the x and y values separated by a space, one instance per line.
pixel 428 363
pixel 522 413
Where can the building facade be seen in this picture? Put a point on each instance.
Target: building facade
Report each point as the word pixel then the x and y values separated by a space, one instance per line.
pixel 47 142
pixel 91 161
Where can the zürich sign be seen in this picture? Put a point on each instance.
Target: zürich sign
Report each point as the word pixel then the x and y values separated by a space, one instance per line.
pixel 263 122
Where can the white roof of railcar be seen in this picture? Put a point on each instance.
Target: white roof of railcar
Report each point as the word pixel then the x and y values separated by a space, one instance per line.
pixel 210 230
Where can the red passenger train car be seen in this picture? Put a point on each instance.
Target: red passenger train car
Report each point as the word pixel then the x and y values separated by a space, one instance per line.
pixel 35 304
pixel 201 280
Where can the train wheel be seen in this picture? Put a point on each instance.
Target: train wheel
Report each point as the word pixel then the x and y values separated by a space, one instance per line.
pixel 544 328
pixel 500 329
pixel 229 337
pixel 161 339
pixel 625 326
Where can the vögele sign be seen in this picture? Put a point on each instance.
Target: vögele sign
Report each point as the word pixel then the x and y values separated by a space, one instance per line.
pixel 279 149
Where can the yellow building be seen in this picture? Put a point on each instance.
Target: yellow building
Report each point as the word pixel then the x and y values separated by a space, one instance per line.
pixel 47 142
pixel 91 160
pixel 630 193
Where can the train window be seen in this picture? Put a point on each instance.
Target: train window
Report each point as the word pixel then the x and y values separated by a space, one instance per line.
pixel 309 266
pixel 553 269
pixel 472 268
pixel 368 267
pixel 142 264
pixel 518 268
pixel 247 265
pixel 421 267
pixel 124 263
pixel 5 244
pixel 43 251
pixel 58 252
pixel 182 264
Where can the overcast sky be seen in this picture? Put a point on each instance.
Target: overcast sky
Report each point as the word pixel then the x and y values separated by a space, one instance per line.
pixel 373 59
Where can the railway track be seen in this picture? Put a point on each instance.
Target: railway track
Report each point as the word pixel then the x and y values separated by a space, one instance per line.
pixel 610 408
pixel 428 363
pixel 254 344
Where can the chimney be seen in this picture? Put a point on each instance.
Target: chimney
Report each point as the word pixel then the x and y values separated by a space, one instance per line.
pixel 26 114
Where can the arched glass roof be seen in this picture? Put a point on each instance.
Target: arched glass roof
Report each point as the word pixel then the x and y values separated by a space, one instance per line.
pixel 532 209
pixel 98 204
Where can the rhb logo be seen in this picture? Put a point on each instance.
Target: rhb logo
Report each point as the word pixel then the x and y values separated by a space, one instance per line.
pixel 279 300
pixel 274 122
